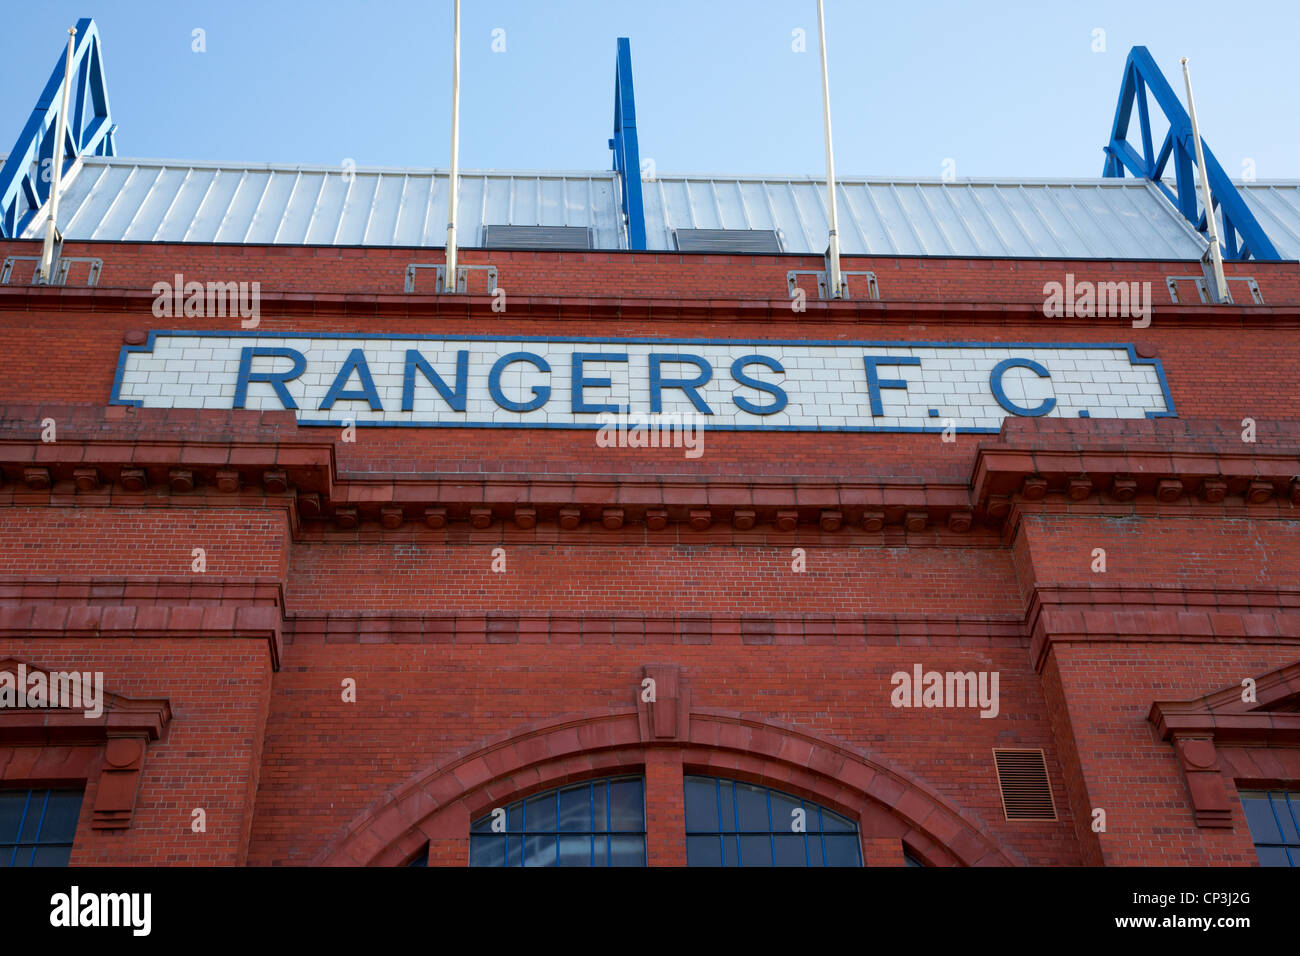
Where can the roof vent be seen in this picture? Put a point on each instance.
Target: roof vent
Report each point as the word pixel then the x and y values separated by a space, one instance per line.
pixel 537 237
pixel 726 240
pixel 1026 791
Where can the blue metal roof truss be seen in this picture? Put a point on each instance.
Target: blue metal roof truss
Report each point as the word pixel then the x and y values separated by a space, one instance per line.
pixel 1243 236
pixel 627 155
pixel 25 178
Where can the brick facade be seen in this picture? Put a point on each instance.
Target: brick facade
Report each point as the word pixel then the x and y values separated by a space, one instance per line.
pixel 371 561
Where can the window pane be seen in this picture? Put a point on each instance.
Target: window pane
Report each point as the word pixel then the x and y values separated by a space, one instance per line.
pixel 626 806
pixel 1285 806
pixel 539 850
pixel 756 850
pixel 729 847
pixel 783 814
pixel 22 856
pixel 12 804
pixel 35 811
pixel 1272 856
pixel 627 850
pixel 575 809
pixel 539 813
pixel 701 805
pixel 841 850
pixel 703 851
pixel 576 850
pixel 52 856
pixel 815 857
pixel 789 848
pixel 61 816
pixel 487 850
pixel 752 804
pixel 515 817
pixel 834 823
pixel 727 818
pixel 1259 816
pixel 515 856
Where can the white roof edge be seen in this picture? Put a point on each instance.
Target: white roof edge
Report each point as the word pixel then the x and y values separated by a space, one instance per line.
pixel 337 167
pixel 872 179
pixel 876 180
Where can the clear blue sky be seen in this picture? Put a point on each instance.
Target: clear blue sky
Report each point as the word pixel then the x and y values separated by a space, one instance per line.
pixel 1004 89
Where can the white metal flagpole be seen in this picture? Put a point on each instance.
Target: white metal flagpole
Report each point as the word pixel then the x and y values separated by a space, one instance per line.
pixel 449 280
pixel 833 250
pixel 1211 220
pixel 60 127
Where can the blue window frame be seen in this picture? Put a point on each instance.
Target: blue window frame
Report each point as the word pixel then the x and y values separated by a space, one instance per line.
pixel 1274 819
pixel 729 823
pixel 37 826
pixel 598 823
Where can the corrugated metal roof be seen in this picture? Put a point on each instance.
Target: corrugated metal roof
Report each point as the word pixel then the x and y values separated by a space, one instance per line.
pixel 129 200
pixel 1102 218
pixel 1277 207
pixel 132 200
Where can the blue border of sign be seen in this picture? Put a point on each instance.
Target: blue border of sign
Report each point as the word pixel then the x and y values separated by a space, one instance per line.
pixel 613 340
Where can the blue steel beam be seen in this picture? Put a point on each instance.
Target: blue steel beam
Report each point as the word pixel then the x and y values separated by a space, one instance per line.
pixel 1243 236
pixel 627 154
pixel 26 176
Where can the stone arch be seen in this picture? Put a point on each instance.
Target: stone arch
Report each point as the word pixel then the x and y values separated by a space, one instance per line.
pixel 436 805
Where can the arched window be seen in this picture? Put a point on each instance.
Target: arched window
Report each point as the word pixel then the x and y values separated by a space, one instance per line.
pixel 729 823
pixel 598 823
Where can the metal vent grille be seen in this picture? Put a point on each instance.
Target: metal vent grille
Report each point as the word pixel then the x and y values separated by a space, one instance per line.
pixel 1026 791
pixel 726 240
pixel 537 237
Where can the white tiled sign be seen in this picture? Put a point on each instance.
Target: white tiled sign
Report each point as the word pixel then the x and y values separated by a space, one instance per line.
pixel 577 383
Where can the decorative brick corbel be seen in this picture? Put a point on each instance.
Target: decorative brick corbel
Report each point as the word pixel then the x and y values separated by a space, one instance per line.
pixel 1200 762
pixel 118 782
pixel 667 717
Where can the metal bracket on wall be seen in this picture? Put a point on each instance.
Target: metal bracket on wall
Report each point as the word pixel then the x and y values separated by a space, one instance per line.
pixel 1203 288
pixel 440 273
pixel 823 284
pixel 62 267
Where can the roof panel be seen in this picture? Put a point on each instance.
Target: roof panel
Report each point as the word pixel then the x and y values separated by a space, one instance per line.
pixel 1277 207
pixel 111 198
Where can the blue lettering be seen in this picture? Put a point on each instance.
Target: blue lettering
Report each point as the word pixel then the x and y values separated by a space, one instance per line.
pixel 275 379
pixel 579 383
pixel 356 361
pixel 658 382
pixel 875 383
pixel 999 393
pixel 738 373
pixel 414 361
pixel 540 392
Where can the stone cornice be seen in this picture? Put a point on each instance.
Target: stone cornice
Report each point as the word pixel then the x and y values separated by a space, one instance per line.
pixel 124 457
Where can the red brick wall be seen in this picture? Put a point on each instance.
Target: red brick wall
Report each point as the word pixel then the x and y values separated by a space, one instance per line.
pixel 327 761
pixel 208 756
pixel 284 766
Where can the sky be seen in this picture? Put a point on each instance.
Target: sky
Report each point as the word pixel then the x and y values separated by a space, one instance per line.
pixel 918 89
